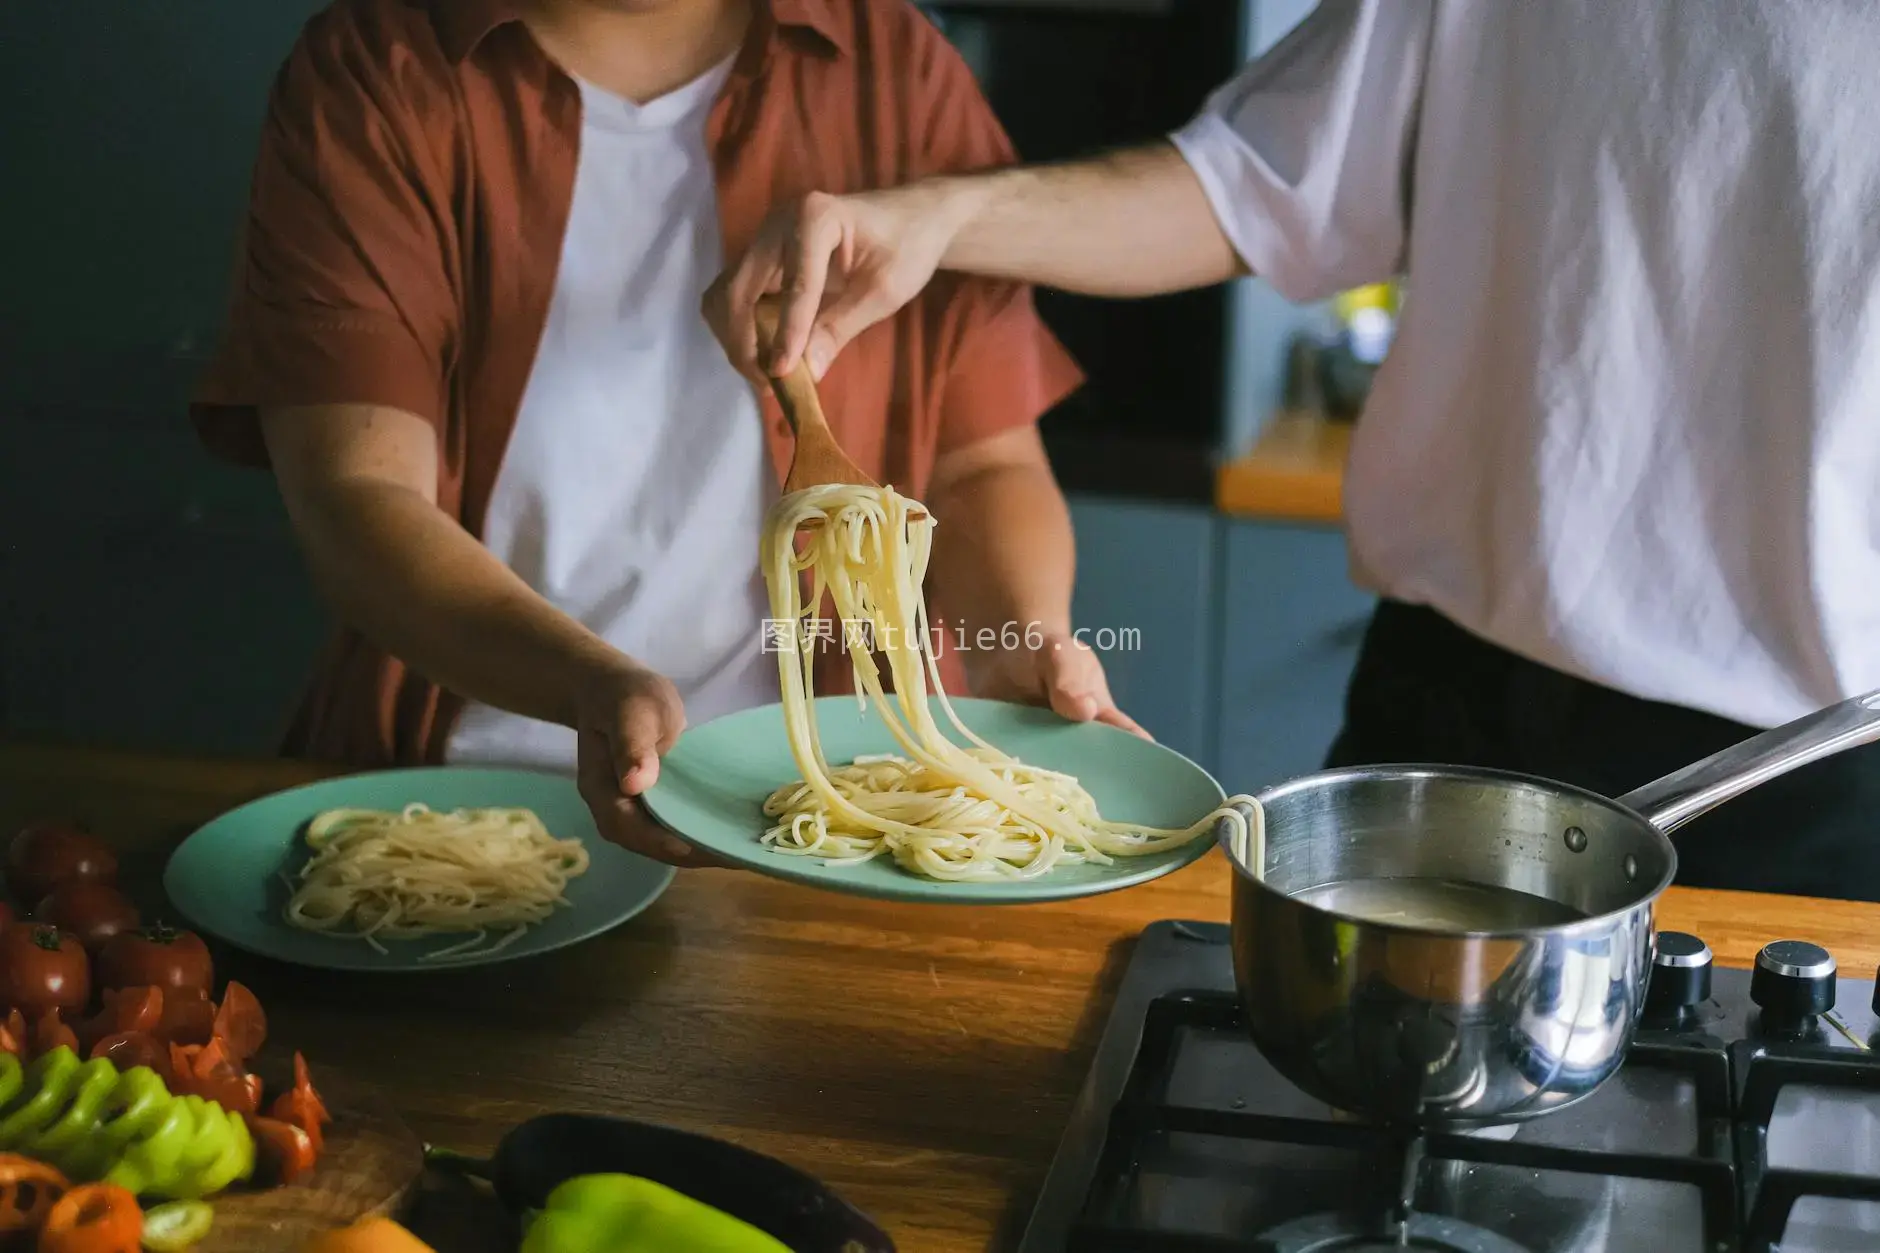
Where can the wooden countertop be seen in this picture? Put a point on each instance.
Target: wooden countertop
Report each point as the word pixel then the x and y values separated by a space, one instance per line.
pixel 920 1060
pixel 1295 472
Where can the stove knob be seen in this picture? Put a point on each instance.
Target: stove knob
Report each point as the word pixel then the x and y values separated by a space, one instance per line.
pixel 1793 981
pixel 1680 976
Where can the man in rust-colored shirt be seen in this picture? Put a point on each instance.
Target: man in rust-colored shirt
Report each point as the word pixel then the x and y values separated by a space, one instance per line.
pixel 466 337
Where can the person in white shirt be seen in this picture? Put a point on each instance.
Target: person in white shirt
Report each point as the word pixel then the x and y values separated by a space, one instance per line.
pixel 1616 483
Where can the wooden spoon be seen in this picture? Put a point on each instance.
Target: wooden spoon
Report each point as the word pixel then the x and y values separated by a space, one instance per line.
pixel 818 458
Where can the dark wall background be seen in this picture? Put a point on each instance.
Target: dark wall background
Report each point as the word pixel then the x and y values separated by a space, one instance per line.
pixel 147 595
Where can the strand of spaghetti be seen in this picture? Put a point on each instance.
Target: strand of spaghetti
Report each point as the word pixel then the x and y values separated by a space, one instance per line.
pixel 938 808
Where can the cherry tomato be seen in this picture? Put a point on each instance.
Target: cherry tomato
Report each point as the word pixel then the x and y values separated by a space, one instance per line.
pixel 156 957
pixel 46 854
pixel 91 910
pixel 42 968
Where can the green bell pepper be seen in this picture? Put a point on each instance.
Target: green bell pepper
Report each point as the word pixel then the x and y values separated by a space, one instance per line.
pixel 46 1091
pixel 154 1162
pixel 94 1081
pixel 12 1078
pixel 626 1214
pixel 93 1122
pixel 234 1161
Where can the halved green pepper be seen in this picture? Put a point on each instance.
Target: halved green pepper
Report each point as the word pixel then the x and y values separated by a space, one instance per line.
pixel 626 1214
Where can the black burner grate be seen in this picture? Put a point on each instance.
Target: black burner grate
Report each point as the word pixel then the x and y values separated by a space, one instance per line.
pixel 1765 1071
pixel 1141 1115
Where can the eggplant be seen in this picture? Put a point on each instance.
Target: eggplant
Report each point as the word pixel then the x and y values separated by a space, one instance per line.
pixel 790 1206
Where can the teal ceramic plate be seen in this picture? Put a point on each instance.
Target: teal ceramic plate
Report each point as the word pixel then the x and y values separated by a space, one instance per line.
pixel 712 787
pixel 226 878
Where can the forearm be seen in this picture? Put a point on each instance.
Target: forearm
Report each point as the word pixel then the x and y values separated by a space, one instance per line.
pixel 1129 224
pixel 417 584
pixel 1004 560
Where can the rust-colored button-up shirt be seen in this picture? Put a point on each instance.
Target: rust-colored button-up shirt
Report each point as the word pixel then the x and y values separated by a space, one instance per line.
pixel 409 199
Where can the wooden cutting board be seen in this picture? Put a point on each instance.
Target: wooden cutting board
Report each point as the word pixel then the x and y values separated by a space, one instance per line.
pixel 369 1166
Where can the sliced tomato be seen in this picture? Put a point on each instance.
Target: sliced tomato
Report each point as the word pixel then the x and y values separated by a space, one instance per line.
pixel 240 1023
pixel 122 1010
pixel 303 1084
pixel 188 1017
pixel 285 1152
pixel 205 1071
pixel 50 1033
pixel 231 1090
pixel 302 1106
pixel 129 1049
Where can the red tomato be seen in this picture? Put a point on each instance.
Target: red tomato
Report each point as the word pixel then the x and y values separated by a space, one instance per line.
pixel 42 968
pixel 285 1152
pixel 240 1023
pixel 188 1018
pixel 301 1106
pixel 207 1072
pixel 121 1010
pixel 50 1032
pixel 46 854
pixel 127 1049
pixel 90 910
pixel 157 957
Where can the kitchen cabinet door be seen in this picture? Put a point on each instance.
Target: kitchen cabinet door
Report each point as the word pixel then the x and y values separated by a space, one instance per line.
pixel 1291 626
pixel 1144 601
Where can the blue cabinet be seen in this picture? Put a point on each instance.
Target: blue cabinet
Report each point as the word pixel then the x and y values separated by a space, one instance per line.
pixel 1231 640
pixel 1291 626
pixel 1145 601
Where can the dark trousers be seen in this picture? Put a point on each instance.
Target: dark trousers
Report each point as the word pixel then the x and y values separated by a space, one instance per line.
pixel 1427 691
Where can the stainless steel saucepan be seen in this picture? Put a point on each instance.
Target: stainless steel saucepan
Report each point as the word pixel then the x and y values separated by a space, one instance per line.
pixel 1452 947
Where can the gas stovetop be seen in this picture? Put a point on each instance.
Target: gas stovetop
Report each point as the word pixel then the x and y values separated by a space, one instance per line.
pixel 1745 1119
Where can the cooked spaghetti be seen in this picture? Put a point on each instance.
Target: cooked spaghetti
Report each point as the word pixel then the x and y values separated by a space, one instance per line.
pixel 939 810
pixel 402 875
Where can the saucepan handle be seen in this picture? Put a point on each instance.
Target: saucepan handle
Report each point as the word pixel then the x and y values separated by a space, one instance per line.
pixel 1684 794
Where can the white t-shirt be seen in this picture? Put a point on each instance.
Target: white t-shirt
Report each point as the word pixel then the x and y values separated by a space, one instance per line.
pixel 634 487
pixel 1630 426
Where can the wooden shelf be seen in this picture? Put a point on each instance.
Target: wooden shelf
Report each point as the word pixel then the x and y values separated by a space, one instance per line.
pixel 1294 473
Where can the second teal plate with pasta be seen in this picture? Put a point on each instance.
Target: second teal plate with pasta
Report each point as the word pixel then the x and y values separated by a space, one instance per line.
pixel 229 879
pixel 713 784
